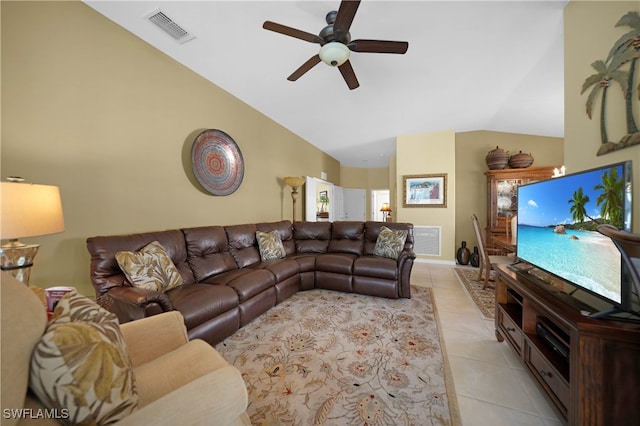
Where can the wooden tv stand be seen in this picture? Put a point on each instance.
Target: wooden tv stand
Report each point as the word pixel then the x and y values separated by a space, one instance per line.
pixel 598 382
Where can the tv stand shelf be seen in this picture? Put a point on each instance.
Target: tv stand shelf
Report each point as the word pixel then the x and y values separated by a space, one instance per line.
pixel 589 368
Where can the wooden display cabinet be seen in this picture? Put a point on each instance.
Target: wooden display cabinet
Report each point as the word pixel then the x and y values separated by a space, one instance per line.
pixel 502 196
pixel 591 371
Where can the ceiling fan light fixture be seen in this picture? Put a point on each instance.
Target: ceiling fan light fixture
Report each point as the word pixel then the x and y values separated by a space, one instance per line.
pixel 334 53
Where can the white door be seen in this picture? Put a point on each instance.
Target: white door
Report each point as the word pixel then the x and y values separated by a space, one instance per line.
pixel 337 206
pixel 310 199
pixel 355 204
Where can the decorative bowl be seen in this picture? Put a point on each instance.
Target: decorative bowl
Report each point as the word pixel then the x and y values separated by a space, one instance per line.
pixel 520 160
pixel 497 159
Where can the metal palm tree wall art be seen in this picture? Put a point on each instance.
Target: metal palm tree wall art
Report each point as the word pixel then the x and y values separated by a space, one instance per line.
pixel 619 67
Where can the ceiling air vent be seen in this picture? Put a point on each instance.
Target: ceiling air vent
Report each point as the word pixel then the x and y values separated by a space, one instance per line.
pixel 168 25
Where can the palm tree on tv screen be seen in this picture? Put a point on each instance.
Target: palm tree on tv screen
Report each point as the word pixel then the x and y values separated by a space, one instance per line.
pixel 577 209
pixel 610 200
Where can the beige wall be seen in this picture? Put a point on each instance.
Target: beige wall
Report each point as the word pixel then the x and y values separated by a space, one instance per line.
pixel 353 177
pixel 368 179
pixel 432 153
pixel 589 35
pixel 471 184
pixel 109 119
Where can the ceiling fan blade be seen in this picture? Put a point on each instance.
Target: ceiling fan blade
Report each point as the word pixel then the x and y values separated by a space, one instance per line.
pixel 379 46
pixel 291 32
pixel 349 76
pixel 345 16
pixel 312 62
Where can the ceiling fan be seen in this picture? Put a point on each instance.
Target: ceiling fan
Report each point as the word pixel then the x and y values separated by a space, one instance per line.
pixel 336 43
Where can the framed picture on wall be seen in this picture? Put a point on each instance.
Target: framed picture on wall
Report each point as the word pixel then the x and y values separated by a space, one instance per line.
pixel 424 190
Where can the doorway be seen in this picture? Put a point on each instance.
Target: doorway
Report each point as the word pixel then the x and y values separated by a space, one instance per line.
pixel 378 198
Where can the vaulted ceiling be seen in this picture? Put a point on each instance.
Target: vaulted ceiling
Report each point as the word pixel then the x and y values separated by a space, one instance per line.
pixel 471 65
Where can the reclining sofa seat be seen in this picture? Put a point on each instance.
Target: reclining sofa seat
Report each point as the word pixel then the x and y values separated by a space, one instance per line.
pixel 227 285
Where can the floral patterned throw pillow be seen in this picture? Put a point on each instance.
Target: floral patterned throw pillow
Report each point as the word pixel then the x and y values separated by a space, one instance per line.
pixel 270 245
pixel 390 243
pixel 81 365
pixel 150 268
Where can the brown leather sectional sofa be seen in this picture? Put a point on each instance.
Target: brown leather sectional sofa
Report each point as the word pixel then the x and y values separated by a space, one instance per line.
pixel 226 285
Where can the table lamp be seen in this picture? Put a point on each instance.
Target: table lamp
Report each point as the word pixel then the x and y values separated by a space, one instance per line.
pixel 294 182
pixel 385 209
pixel 27 210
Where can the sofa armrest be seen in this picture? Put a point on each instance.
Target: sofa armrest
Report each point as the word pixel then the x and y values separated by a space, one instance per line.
pixel 406 254
pixel 405 264
pixel 219 397
pixel 151 337
pixel 131 303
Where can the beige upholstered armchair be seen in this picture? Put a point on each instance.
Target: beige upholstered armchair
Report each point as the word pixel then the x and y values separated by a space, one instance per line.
pixel 176 381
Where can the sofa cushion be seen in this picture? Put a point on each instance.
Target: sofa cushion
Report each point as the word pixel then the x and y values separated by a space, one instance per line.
pixel 105 272
pixel 198 303
pixel 282 268
pixel 372 229
pixel 242 244
pixel 252 283
pixel 208 251
pixel 180 366
pixel 270 245
pixel 150 268
pixel 285 230
pixel 339 263
pixel 347 237
pixel 312 237
pixel 390 243
pixel 246 282
pixel 226 277
pixel 81 364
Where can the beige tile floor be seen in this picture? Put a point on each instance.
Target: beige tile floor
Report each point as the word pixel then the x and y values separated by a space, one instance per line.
pixel 491 383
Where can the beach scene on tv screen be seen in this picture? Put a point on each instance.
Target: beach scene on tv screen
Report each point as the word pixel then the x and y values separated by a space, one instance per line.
pixel 557 222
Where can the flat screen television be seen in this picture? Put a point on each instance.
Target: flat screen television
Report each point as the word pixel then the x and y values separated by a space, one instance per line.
pixel 556 233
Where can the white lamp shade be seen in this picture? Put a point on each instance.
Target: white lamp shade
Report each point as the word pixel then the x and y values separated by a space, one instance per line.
pixel 334 53
pixel 30 210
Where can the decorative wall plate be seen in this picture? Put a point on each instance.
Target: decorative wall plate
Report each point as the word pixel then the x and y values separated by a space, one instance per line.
pixel 217 162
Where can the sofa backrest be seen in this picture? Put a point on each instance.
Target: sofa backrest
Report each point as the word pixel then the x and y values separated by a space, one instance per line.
pixel 347 237
pixel 208 251
pixel 285 230
pixel 243 244
pixel 372 229
pixel 312 237
pixel 105 272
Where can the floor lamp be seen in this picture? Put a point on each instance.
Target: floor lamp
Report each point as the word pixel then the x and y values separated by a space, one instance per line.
pixel 294 182
pixel 27 210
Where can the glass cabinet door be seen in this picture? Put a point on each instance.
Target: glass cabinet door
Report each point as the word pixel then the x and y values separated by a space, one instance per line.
pixel 507 197
pixel 502 197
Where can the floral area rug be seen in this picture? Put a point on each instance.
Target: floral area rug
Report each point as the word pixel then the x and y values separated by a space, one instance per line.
pixel 485 300
pixel 331 358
